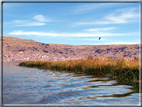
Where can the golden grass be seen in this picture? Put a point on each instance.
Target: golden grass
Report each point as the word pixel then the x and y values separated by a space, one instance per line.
pixel 124 70
pixel 90 66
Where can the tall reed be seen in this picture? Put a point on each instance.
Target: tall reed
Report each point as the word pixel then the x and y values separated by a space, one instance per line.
pixel 125 71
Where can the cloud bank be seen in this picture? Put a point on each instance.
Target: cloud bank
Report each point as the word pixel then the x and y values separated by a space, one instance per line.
pixel 119 16
pixel 37 20
pixel 35 33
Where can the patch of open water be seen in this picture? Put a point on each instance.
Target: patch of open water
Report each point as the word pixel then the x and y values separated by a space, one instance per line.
pixel 22 85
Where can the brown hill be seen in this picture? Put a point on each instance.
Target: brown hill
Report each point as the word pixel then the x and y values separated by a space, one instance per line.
pixel 16 45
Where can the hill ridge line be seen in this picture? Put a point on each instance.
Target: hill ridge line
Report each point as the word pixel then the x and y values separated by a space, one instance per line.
pixel 17 49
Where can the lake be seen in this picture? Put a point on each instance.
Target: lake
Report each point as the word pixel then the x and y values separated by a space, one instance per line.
pixel 23 85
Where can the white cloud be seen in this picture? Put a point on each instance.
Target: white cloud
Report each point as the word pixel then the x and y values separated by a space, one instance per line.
pixel 26 23
pixel 40 18
pixel 32 24
pixel 100 29
pixel 40 21
pixel 124 17
pixel 79 9
pixel 88 7
pixel 19 21
pixel 35 33
pixel 88 39
pixel 93 39
pixel 119 16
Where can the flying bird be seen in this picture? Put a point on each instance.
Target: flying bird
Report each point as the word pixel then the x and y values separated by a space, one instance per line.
pixel 99 38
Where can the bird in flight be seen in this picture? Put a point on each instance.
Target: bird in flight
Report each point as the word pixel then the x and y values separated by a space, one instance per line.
pixel 99 38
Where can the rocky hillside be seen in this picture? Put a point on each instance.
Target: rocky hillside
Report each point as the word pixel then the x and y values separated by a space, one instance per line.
pixel 15 45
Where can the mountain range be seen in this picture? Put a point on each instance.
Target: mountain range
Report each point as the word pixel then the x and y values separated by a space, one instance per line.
pixel 15 45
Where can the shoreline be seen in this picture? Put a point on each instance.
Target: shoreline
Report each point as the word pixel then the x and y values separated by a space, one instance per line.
pixel 124 71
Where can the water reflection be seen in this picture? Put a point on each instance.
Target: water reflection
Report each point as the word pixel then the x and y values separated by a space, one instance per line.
pixel 22 85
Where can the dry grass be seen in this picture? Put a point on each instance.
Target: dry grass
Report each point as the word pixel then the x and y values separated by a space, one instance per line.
pixel 125 71
pixel 87 65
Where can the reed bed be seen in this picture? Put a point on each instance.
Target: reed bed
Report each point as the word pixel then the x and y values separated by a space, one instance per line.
pixel 125 71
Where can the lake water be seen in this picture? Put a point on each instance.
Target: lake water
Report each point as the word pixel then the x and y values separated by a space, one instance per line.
pixel 22 85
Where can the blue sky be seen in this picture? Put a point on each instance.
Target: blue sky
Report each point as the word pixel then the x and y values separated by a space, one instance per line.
pixel 73 23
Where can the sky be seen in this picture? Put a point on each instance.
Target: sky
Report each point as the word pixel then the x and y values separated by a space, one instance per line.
pixel 73 23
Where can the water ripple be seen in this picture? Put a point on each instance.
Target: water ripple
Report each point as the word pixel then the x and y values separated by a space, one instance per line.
pixel 22 85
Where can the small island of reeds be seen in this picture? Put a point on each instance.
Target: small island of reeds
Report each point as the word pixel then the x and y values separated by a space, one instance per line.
pixel 123 70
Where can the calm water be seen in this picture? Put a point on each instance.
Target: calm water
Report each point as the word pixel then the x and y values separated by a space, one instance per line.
pixel 22 85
